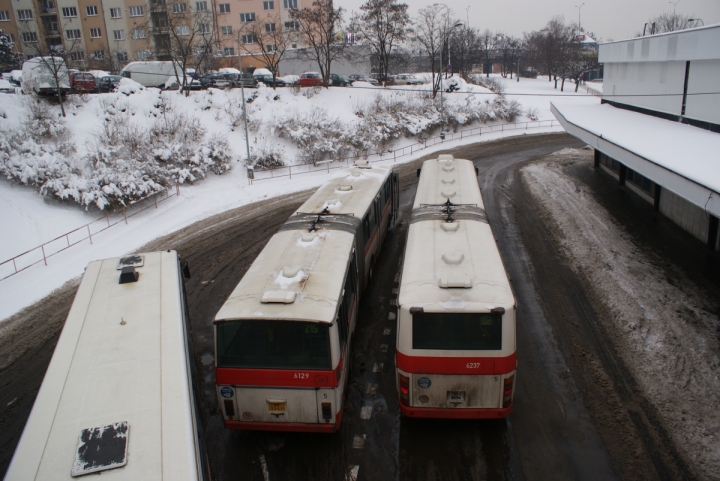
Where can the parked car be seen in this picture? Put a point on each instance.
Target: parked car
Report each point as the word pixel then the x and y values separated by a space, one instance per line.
pixel 45 76
pixel 6 87
pixel 268 80
pixel 108 83
pixel 407 79
pixel 340 80
pixel 82 82
pixel 362 78
pixel 310 79
pixel 386 81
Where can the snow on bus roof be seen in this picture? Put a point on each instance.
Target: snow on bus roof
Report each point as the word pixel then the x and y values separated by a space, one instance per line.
pixel 120 358
pixel 462 254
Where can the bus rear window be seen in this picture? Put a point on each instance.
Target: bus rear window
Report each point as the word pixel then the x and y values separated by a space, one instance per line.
pixel 457 331
pixel 273 345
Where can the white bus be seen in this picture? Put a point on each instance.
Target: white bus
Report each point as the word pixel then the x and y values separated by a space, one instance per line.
pixel 282 339
pixel 455 354
pixel 118 396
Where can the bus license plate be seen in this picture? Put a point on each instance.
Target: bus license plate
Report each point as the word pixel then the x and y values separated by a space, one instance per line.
pixel 456 397
pixel 276 407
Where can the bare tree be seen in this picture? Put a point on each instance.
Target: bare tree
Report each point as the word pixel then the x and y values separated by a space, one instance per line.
pixel 668 22
pixel 549 47
pixel 183 35
pixel 383 25
pixel 269 39
pixel 486 46
pixel 319 26
pixel 466 41
pixel 429 35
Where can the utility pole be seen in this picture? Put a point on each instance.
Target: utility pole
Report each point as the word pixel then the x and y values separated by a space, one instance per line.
pixel 580 10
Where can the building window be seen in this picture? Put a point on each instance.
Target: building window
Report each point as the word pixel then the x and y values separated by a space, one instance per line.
pixel 69 12
pixel 142 54
pixel 122 56
pixel 294 45
pixel 77 56
pixel 292 25
pixel 268 5
pixel 269 27
pixel 204 28
pixel 227 51
pixel 138 33
pixel 247 17
pixel 641 181
pixel 290 3
pixel 25 15
pixel 72 34
pixel 201 6
pixel 4 16
pixel 91 11
pixel 179 7
pixel 137 11
pixel 119 34
pixel 249 39
pixel 95 33
pixel 29 37
pixel 226 30
pixel 182 30
pixel 224 8
pixel 115 13
pixel 98 54
pixel 271 48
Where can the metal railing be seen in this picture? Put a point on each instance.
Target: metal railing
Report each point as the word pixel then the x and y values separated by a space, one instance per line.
pixel 328 165
pixel 48 249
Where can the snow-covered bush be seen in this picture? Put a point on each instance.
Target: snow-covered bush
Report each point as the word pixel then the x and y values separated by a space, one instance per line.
pixel 264 155
pixel 490 83
pixel 532 113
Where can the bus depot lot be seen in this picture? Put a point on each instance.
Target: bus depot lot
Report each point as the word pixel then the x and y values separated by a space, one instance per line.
pixel 578 413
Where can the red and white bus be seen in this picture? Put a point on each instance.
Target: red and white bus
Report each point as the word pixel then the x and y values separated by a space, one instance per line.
pixel 455 354
pixel 282 338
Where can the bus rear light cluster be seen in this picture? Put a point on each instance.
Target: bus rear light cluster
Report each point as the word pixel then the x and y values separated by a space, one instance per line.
pixel 229 408
pixel 326 411
pixel 508 391
pixel 404 389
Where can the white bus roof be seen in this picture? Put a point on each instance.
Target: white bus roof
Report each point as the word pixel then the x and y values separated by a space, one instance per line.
pixel 452 265
pixel 120 358
pixel 351 192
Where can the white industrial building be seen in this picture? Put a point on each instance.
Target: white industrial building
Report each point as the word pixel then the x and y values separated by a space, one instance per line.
pixel 657 129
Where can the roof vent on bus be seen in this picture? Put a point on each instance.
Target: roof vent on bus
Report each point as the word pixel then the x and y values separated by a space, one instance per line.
pixel 101 448
pixel 278 297
pixel 453 259
pixel 356 174
pixel 445 157
pixel 135 261
pixel 448 181
pixel 290 271
pixel 128 275
pixel 463 282
pixel 450 226
pixel 448 168
pixel 448 193
pixel 308 237
pixel 344 188
pixel 362 164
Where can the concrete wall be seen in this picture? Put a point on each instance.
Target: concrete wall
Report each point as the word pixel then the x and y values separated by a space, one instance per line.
pixel 688 216
pixel 357 60
pixel 704 77
pixel 646 78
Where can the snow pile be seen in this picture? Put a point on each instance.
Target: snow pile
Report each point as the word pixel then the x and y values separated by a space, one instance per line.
pixel 665 326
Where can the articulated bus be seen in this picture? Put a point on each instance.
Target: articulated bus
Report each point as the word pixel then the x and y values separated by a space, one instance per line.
pixel 282 339
pixel 455 354
pixel 119 396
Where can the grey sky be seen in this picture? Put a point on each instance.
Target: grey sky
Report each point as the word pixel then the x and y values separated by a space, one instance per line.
pixel 608 19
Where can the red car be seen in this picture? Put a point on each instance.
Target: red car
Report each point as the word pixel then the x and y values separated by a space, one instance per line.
pixel 82 82
pixel 310 79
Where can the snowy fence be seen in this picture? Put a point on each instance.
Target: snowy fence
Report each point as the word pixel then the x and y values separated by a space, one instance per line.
pixel 44 251
pixel 328 165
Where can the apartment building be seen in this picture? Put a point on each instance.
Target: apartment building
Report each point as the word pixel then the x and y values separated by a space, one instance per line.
pixel 106 34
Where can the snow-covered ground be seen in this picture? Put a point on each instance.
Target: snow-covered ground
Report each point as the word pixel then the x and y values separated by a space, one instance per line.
pixel 664 327
pixel 28 220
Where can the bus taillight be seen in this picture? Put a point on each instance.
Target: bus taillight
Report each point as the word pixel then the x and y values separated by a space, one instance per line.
pixel 507 391
pixel 326 411
pixel 229 408
pixel 404 389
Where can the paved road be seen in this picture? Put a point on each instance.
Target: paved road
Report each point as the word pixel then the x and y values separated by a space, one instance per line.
pixel 559 428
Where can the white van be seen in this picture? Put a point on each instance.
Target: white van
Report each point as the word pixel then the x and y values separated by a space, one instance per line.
pixel 152 73
pixel 38 76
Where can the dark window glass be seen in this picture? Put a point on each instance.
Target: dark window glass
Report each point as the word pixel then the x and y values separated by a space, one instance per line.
pixel 366 228
pixel 342 322
pixel 457 332
pixel 273 345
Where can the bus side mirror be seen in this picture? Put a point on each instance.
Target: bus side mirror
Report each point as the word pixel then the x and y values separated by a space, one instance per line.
pixel 419 172
pixel 476 172
pixel 185 269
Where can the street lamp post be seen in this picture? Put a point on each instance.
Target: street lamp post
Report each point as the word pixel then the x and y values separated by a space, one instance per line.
pixel 580 10
pixel 442 106
pixel 674 4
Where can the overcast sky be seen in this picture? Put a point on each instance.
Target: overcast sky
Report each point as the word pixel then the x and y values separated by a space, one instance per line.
pixel 608 19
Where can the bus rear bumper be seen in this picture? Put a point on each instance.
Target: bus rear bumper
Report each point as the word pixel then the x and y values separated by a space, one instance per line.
pixel 283 427
pixel 455 413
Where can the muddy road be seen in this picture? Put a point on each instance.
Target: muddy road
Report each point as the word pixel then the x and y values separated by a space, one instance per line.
pixel 578 413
